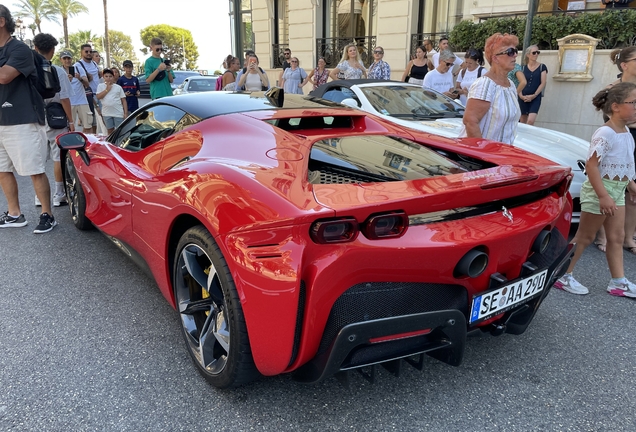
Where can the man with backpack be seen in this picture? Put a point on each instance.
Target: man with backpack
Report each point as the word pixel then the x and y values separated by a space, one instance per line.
pixel 58 114
pixel 23 144
pixel 90 80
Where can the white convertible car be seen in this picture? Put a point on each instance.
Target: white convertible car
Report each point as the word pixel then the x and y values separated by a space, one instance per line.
pixel 426 110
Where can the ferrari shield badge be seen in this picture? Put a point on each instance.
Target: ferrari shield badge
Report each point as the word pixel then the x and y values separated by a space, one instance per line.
pixel 507 214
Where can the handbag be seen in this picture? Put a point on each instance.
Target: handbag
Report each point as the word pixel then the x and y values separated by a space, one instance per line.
pixel 55 115
pixel 408 74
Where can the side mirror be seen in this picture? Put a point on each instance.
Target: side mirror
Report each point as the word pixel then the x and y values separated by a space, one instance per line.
pixel 350 102
pixel 72 141
pixel 276 96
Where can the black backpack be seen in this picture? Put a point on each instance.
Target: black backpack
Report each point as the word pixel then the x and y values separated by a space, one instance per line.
pixel 45 81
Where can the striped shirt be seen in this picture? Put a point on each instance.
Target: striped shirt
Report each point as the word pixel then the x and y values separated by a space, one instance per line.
pixel 500 122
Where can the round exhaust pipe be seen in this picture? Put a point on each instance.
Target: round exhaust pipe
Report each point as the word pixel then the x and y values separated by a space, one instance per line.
pixel 472 264
pixel 542 241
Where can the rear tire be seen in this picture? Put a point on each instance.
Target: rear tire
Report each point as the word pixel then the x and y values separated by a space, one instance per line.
pixel 75 196
pixel 210 312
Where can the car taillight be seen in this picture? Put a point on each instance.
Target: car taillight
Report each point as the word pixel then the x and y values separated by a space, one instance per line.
pixel 334 231
pixel 388 225
pixel 564 185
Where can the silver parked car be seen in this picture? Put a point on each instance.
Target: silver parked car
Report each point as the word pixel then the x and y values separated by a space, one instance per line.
pixel 196 84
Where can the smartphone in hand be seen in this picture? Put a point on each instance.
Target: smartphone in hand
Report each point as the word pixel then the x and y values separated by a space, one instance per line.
pixel 71 70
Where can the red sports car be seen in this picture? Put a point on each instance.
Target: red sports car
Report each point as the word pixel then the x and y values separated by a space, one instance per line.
pixel 295 236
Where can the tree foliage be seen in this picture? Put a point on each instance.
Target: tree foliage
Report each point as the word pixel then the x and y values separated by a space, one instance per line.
pixel 121 48
pixel 174 39
pixel 37 10
pixel 66 9
pixel 76 40
pixel 613 28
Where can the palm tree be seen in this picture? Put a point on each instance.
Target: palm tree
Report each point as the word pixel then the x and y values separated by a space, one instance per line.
pixel 37 10
pixel 106 42
pixel 66 8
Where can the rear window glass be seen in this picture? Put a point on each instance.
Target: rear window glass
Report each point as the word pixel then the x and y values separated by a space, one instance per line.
pixel 369 158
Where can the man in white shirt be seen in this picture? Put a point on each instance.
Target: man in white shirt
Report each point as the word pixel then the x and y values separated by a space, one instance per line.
pixel 90 79
pixel 45 45
pixel 443 45
pixel 81 112
pixel 441 78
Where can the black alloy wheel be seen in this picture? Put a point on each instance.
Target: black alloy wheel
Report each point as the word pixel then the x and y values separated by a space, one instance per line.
pixel 75 196
pixel 210 312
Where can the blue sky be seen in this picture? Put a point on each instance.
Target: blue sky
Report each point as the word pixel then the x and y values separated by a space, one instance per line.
pixel 209 23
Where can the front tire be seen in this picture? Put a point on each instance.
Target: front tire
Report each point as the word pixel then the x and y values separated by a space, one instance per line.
pixel 75 196
pixel 210 312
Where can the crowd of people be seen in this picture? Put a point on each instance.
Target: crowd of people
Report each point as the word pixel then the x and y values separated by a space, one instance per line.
pixel 88 97
pixel 439 69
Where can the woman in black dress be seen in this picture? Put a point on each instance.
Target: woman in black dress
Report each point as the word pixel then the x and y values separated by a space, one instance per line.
pixel 536 76
pixel 417 68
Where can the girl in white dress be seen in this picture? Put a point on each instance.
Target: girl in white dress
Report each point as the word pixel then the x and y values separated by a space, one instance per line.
pixel 610 171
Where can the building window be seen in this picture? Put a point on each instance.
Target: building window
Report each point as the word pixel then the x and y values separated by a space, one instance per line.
pixel 241 27
pixel 436 18
pixel 344 22
pixel 281 32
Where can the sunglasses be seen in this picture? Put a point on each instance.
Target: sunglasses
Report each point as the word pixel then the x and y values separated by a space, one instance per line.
pixel 88 52
pixel 287 53
pixel 158 49
pixel 378 52
pixel 535 52
pixel 294 61
pixel 510 52
pixel 449 64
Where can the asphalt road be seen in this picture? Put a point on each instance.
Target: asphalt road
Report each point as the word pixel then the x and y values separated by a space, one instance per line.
pixel 87 343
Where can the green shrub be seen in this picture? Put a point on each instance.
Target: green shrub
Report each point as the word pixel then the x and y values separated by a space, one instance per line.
pixel 613 28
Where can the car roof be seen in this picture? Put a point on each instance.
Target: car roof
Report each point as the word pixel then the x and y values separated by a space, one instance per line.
pixel 205 77
pixel 210 104
pixel 189 73
pixel 359 82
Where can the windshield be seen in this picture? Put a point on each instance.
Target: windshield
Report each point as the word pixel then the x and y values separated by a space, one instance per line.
pixel 179 77
pixel 409 101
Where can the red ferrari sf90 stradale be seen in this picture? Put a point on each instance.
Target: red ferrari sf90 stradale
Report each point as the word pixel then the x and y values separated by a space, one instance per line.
pixel 296 236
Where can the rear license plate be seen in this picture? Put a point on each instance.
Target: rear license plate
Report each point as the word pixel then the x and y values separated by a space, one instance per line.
pixel 504 298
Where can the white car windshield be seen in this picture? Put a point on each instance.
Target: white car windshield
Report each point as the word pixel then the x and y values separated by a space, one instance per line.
pixel 408 101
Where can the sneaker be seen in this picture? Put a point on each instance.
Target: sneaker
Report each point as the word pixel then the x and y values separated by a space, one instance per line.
pixel 47 222
pixel 37 202
pixel 571 285
pixel 7 221
pixel 59 199
pixel 622 289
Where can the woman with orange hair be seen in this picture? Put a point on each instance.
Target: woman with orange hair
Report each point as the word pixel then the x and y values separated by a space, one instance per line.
pixel 492 109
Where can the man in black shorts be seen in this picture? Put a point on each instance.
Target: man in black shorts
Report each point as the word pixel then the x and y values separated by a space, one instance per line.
pixel 23 143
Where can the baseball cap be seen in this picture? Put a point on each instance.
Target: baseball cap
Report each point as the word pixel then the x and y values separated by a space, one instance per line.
pixel 127 63
pixel 66 54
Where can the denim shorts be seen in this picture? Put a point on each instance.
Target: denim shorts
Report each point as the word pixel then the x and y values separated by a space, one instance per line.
pixel 112 122
pixel 589 199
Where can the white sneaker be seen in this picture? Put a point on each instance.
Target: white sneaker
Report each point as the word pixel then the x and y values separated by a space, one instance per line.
pixel 59 199
pixel 571 285
pixel 37 202
pixel 622 289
